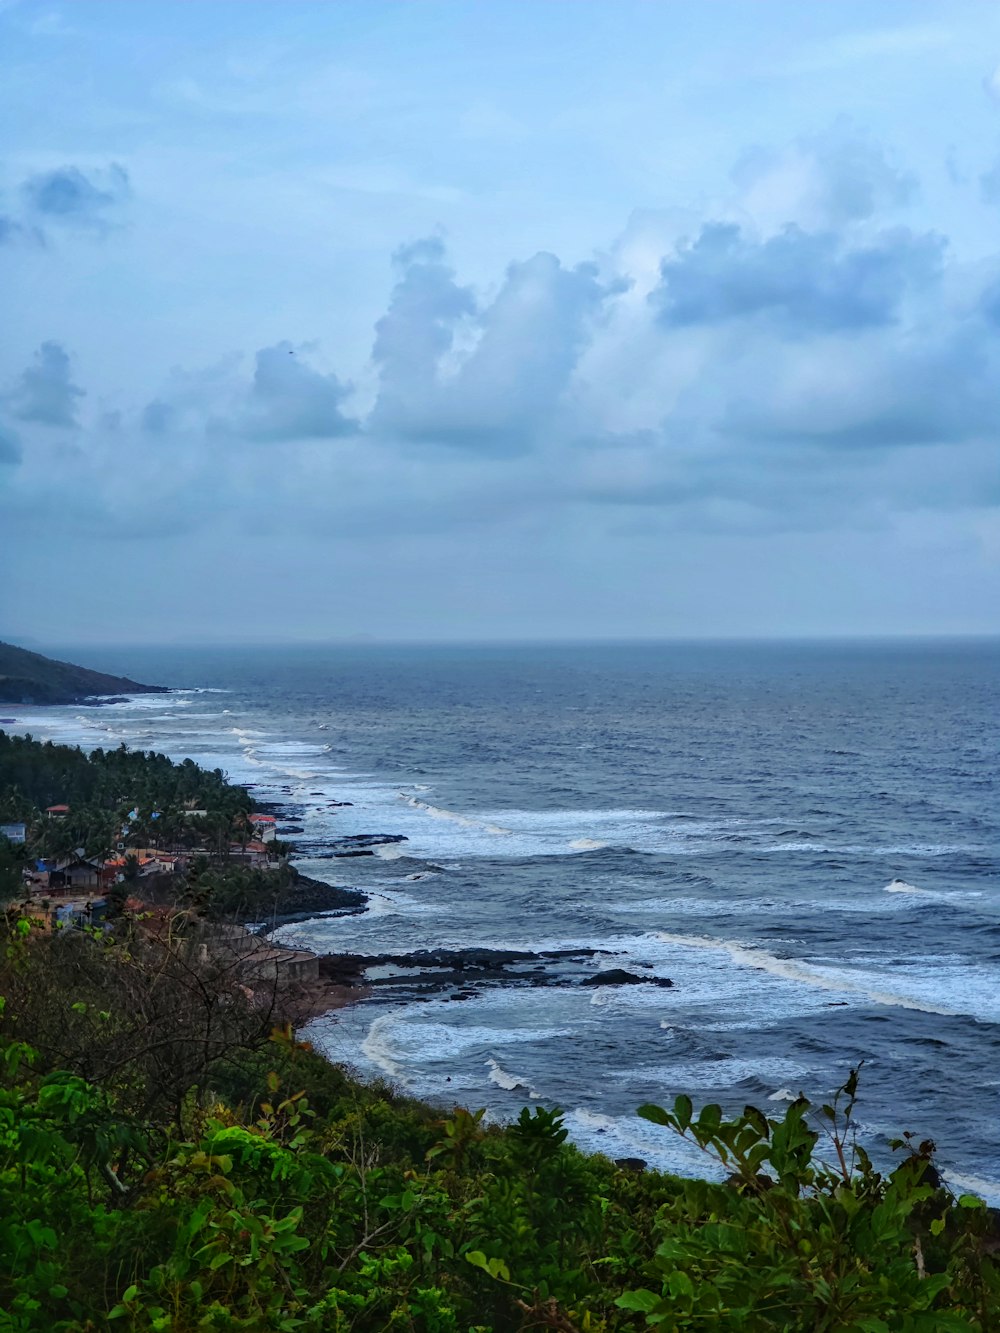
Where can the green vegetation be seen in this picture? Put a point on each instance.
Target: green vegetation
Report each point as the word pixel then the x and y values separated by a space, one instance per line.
pixel 27 677
pixel 107 784
pixel 115 796
pixel 171 1158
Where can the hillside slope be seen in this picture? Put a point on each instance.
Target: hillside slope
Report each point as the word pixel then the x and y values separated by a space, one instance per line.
pixel 30 678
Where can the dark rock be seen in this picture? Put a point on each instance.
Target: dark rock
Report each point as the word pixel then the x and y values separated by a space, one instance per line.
pixel 631 1163
pixel 617 976
pixel 361 843
pixel 341 969
pixel 302 900
pixel 435 970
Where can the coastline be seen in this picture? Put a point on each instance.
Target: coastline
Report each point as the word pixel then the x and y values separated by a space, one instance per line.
pixel 720 955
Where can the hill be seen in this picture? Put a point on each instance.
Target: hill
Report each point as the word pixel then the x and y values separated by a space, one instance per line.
pixel 30 678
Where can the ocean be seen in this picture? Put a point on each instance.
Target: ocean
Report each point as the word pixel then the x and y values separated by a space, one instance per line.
pixel 804 838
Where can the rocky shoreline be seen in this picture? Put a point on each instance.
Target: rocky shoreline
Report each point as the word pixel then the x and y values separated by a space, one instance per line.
pixel 451 974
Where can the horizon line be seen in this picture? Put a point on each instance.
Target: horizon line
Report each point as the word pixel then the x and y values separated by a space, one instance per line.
pixel 34 643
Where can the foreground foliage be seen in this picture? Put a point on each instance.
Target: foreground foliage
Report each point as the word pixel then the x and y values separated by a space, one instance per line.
pixel 269 1191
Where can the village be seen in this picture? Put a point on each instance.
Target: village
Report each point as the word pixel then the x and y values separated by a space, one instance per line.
pixel 77 885
pixel 188 856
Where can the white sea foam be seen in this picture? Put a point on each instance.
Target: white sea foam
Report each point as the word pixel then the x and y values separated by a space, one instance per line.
pixel 630 1136
pixel 901 886
pixel 593 1119
pixel 957 897
pixel 967 1184
pixel 403 1043
pixel 466 821
pixel 377 1047
pixel 837 980
pixel 782 1095
pixel 500 1076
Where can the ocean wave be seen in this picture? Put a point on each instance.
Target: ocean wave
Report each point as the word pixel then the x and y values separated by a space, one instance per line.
pixel 956 896
pixel 405 1042
pixel 969 1184
pixel 630 1136
pixel 509 1082
pixel 386 903
pixel 466 821
pixel 901 886
pixel 789 969
pixel 377 1048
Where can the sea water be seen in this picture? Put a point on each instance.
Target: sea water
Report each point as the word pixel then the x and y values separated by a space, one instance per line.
pixel 804 838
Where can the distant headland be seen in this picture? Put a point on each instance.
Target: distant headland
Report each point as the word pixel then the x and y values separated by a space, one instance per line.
pixel 30 678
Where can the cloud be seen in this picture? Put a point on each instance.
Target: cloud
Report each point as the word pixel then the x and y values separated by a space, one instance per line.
pixel 989 184
pixel 417 330
pixel 10 448
pixel 290 400
pixel 44 391
pixel 14 231
pixel 70 197
pixel 794 381
pixel 11 231
pixel 157 417
pixel 500 388
pixel 940 384
pixel 824 180
pixel 805 282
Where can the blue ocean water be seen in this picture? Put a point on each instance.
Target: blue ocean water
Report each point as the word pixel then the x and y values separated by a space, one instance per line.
pixel 804 838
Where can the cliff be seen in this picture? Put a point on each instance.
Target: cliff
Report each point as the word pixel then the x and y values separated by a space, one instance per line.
pixel 30 678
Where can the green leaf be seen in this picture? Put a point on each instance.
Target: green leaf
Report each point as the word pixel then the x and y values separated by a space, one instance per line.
pixel 650 1111
pixel 970 1201
pixel 642 1299
pixel 680 1284
pixel 710 1118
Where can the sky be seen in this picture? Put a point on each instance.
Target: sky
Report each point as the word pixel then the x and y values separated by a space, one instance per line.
pixel 471 321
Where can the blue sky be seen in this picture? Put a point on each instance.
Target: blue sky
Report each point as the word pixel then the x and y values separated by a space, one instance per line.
pixel 494 320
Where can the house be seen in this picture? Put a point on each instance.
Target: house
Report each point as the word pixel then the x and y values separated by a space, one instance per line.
pixel 69 873
pixel 146 861
pixel 57 811
pixel 254 854
pixel 13 832
pixel 264 827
